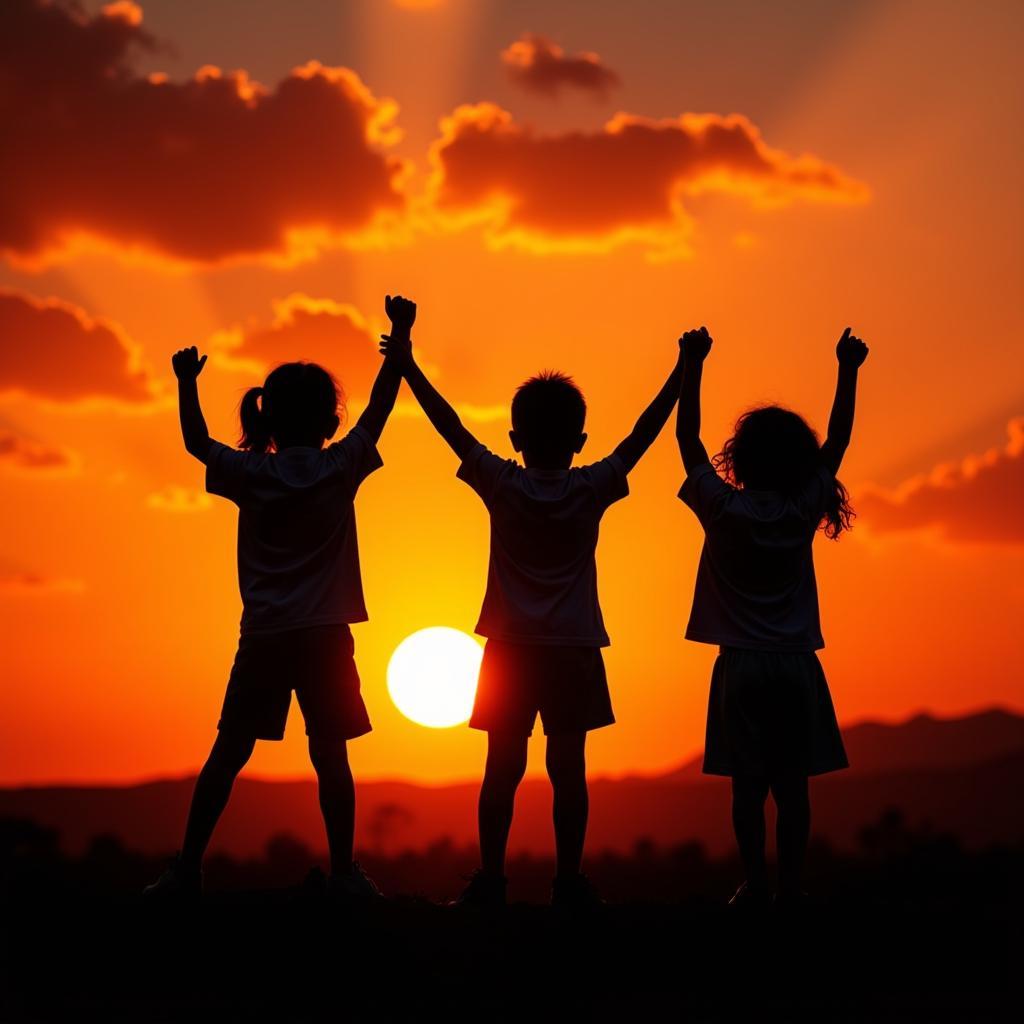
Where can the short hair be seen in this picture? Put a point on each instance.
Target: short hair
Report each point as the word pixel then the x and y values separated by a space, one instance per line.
pixel 548 413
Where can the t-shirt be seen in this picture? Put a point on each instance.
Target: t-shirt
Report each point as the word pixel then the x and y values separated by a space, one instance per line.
pixel 542 574
pixel 755 581
pixel 298 558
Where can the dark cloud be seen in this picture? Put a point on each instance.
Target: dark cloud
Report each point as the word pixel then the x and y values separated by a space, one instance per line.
pixel 625 182
pixel 334 334
pixel 53 350
pixel 31 584
pixel 339 337
pixel 23 455
pixel 203 170
pixel 541 66
pixel 978 500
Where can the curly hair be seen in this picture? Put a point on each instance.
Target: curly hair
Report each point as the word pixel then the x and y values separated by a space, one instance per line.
pixel 775 449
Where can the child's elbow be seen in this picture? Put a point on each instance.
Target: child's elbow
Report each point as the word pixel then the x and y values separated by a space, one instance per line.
pixel 198 448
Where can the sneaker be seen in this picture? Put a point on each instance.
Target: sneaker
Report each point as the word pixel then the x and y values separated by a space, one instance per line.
pixel 355 887
pixel 176 884
pixel 482 890
pixel 748 898
pixel 575 892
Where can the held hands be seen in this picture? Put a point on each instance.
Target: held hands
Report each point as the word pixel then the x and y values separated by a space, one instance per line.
pixel 187 363
pixel 850 350
pixel 695 346
pixel 402 313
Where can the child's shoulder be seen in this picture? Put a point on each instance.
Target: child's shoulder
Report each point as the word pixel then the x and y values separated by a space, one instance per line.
pixel 610 465
pixel 607 478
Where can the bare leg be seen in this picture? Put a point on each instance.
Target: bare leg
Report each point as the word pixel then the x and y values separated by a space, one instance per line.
pixel 337 800
pixel 792 830
pixel 506 765
pixel 748 796
pixel 567 769
pixel 228 757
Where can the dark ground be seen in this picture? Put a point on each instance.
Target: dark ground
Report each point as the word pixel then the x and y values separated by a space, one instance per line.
pixel 912 929
pixel 263 955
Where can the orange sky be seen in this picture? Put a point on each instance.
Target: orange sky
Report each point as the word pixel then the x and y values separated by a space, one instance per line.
pixel 546 214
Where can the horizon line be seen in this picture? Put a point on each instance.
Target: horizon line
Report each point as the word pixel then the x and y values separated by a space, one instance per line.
pixel 679 765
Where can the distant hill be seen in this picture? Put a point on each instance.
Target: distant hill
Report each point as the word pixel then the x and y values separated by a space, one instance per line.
pixel 964 776
pixel 920 743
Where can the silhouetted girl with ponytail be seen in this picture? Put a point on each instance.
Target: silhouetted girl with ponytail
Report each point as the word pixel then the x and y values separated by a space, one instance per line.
pixel 298 571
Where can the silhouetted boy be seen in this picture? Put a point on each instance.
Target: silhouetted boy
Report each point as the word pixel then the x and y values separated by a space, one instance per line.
pixel 540 612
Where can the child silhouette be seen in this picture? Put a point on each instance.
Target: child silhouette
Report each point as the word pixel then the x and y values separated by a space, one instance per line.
pixel 298 568
pixel 770 723
pixel 540 613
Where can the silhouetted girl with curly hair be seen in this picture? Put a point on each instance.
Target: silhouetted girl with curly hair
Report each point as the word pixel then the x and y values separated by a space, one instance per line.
pixel 771 723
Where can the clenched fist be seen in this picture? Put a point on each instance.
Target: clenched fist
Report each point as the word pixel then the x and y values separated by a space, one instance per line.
pixel 850 350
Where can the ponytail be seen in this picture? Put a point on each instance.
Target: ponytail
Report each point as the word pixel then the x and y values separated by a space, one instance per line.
pixel 298 402
pixel 255 422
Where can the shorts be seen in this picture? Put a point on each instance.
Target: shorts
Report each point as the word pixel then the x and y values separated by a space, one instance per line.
pixel 567 685
pixel 770 714
pixel 317 663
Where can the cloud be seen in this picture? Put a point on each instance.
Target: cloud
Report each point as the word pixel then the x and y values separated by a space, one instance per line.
pixel 54 351
pixel 334 334
pixel 32 584
pixel 215 168
pixel 483 413
pixel 541 66
pixel 978 500
pixel 179 499
pixel 592 191
pixel 20 454
pixel 339 337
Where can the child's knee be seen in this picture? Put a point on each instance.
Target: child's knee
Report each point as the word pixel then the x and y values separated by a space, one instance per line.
pixel 566 762
pixel 791 792
pixel 501 778
pixel 749 789
pixel 506 757
pixel 504 777
pixel 328 755
pixel 791 787
pixel 231 752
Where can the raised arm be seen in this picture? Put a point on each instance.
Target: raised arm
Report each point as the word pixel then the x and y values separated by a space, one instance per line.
pixel 651 420
pixel 398 348
pixel 694 346
pixel 402 314
pixel 187 366
pixel 851 353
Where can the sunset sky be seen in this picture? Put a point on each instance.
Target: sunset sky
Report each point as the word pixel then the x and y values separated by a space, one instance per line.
pixel 565 185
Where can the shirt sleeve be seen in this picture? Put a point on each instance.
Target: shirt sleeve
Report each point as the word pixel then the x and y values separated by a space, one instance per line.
pixel 225 471
pixel 814 497
pixel 609 480
pixel 356 457
pixel 705 492
pixel 482 469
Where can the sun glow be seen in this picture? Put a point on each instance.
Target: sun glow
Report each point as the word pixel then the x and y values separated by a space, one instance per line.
pixel 432 676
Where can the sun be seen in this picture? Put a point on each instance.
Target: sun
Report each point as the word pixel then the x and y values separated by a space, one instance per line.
pixel 432 676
